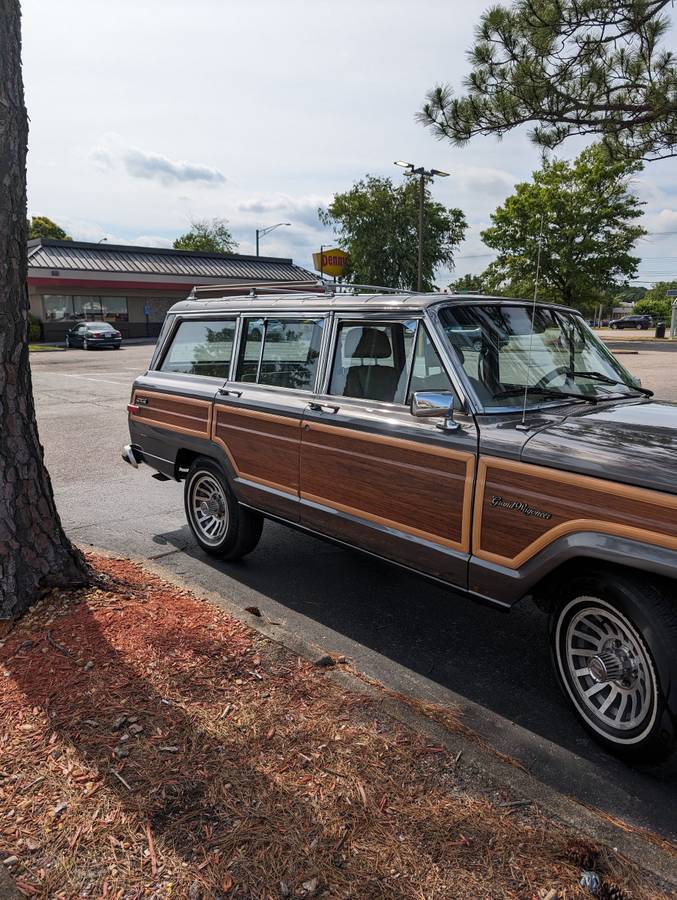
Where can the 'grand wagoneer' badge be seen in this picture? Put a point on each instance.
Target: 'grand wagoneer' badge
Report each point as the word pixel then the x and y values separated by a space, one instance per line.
pixel 520 506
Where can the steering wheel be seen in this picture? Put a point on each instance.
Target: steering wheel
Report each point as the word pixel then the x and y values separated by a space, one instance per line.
pixel 550 376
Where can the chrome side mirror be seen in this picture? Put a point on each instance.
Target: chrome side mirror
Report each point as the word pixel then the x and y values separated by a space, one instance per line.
pixel 425 404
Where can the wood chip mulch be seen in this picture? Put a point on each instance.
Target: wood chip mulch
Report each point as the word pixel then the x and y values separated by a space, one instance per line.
pixel 152 746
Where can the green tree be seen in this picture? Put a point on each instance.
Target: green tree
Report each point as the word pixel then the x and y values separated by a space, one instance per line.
pixel 207 235
pixel 468 283
pixel 568 67
pixel 588 230
pixel 377 223
pixel 42 227
pixel 656 303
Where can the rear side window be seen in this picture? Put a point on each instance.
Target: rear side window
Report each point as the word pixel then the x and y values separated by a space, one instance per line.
pixel 280 352
pixel 201 348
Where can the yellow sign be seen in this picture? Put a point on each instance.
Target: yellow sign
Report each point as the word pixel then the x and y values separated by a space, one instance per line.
pixel 331 262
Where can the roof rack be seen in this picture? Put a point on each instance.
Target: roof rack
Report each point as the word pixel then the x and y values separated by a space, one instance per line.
pixel 320 287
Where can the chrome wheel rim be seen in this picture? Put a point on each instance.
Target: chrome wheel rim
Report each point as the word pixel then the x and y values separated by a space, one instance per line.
pixel 607 669
pixel 208 508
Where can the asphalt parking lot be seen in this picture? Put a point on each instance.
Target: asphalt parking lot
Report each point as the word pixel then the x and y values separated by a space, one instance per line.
pixel 412 636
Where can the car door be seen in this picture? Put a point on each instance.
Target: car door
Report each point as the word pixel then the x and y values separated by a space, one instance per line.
pixel 372 474
pixel 257 415
pixel 77 335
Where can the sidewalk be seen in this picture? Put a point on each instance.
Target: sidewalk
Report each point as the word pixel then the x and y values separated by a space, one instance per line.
pixel 151 745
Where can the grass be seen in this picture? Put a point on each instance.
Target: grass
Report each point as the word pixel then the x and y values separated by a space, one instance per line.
pixel 38 348
pixel 152 746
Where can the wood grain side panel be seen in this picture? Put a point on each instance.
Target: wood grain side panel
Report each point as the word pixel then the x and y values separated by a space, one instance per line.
pixel 262 447
pixel 390 482
pixel 574 502
pixel 185 415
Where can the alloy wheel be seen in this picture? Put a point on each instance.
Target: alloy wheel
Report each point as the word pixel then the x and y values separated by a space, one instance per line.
pixel 607 669
pixel 208 508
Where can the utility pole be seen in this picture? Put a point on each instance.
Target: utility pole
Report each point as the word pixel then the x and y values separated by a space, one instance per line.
pixel 423 173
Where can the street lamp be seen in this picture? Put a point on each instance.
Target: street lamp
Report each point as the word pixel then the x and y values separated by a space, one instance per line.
pixel 423 174
pixel 101 240
pixel 260 232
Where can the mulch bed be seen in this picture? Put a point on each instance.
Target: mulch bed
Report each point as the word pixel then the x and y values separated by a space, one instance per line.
pixel 152 746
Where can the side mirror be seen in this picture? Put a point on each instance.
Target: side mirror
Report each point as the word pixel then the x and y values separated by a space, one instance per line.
pixel 426 404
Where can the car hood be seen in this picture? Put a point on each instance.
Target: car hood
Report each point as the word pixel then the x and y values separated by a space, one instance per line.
pixel 631 441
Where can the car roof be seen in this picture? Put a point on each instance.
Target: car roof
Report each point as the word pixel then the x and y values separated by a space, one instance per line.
pixel 319 301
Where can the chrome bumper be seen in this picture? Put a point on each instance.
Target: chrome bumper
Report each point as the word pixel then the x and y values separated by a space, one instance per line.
pixel 131 456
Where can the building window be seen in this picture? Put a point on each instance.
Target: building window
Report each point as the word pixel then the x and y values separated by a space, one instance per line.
pixel 57 307
pixel 84 308
pixel 114 309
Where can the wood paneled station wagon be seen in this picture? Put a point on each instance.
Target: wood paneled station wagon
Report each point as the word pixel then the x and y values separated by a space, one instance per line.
pixel 492 445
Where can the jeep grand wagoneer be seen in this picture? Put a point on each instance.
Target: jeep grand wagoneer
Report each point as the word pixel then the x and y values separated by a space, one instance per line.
pixel 492 445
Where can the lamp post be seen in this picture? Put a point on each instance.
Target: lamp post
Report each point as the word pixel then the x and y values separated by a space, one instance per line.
pixel 422 174
pixel 260 232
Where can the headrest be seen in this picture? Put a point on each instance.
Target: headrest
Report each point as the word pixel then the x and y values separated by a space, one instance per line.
pixel 367 343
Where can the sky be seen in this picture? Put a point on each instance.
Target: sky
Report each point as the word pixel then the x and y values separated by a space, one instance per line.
pixel 145 114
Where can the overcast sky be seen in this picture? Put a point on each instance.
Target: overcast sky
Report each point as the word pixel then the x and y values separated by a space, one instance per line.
pixel 147 113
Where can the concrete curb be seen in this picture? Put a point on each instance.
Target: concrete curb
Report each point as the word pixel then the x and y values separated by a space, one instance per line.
pixel 657 857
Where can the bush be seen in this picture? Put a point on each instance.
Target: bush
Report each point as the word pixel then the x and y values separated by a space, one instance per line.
pixel 34 329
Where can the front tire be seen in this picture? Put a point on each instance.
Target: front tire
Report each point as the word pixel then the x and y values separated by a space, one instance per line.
pixel 612 641
pixel 85 344
pixel 220 525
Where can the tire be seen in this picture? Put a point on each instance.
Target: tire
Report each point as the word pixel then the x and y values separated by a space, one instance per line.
pixel 225 529
pixel 613 326
pixel 85 344
pixel 68 343
pixel 116 347
pixel 622 627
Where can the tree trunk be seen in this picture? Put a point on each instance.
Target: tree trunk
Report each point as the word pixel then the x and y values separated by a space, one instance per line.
pixel 35 554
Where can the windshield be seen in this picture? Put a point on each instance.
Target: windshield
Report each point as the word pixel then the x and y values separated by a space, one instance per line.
pixel 560 359
pixel 102 326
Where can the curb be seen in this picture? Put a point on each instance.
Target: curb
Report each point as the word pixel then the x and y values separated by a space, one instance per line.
pixel 648 852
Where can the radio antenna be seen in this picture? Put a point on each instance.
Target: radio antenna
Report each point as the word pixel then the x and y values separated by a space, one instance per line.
pixel 533 319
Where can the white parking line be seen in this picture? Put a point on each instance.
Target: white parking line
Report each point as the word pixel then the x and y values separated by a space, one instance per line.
pixel 82 377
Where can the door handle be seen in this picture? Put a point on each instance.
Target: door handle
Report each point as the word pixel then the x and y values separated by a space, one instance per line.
pixel 227 392
pixel 323 407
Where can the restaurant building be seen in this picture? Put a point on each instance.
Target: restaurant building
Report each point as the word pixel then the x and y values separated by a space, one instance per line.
pixel 133 287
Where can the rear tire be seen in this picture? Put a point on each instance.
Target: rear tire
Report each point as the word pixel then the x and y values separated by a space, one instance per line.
pixel 612 640
pixel 220 524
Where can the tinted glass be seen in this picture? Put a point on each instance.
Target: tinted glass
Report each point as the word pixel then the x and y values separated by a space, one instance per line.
pixel 427 371
pixel 57 306
pixel 101 327
pixel 87 307
pixel 291 351
pixel 372 360
pixel 201 348
pixel 114 308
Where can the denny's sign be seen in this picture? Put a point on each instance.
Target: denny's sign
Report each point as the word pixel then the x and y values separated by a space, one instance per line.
pixel 331 262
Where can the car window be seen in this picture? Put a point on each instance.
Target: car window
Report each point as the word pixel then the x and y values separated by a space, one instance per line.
pixel 427 373
pixel 280 352
pixel 201 348
pixel 372 360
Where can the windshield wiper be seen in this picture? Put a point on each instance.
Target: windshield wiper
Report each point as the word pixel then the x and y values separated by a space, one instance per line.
pixel 605 379
pixel 548 393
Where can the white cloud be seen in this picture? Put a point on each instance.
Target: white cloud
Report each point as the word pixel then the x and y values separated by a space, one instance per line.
pixel 152 166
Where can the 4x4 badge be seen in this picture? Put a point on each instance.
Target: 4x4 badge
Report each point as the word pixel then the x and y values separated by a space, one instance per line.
pixel 520 506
